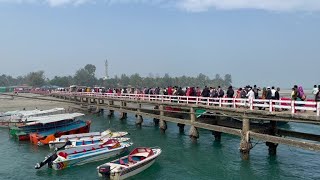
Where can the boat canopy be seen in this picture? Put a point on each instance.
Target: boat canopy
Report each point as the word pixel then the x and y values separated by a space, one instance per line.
pixel 39 112
pixel 31 112
pixel 52 118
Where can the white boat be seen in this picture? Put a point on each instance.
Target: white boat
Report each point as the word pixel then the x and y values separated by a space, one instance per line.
pixel 90 142
pixel 137 161
pixel 13 117
pixel 86 138
pixel 84 154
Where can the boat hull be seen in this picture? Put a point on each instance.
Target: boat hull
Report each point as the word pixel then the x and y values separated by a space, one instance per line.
pixel 122 175
pixel 125 168
pixel 85 141
pixel 88 159
pixel 39 139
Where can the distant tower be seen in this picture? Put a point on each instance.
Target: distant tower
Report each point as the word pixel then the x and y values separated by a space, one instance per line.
pixel 106 69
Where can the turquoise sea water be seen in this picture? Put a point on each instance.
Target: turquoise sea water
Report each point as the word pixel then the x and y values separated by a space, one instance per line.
pixel 180 158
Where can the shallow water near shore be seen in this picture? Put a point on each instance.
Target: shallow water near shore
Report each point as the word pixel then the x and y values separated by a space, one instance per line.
pixel 180 158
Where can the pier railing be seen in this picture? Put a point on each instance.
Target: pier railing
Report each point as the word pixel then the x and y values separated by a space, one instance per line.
pixel 271 105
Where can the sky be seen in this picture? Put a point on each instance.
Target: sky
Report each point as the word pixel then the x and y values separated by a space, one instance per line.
pixel 263 42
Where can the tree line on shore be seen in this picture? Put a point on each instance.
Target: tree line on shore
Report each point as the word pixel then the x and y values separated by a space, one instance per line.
pixel 86 77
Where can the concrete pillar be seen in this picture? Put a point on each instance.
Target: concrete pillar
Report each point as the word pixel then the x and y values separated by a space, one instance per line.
pixel 156 121
pixel 272 146
pixel 111 113
pixel 123 115
pixel 193 133
pixel 181 128
pixel 245 144
pixel 139 119
pixel 192 115
pixel 163 124
pixel 217 135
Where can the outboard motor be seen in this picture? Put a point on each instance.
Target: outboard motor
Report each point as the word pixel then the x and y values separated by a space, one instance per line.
pixel 51 157
pixel 104 170
pixel 48 159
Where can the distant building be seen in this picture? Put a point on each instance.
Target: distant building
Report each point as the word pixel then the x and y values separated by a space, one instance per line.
pixel 106 76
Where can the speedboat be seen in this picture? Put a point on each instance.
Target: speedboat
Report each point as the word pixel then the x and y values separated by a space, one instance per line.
pixel 137 161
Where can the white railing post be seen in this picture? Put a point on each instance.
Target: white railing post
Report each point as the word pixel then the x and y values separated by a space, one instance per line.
pixel 197 100
pixel 318 109
pixel 220 102
pixel 270 106
pixel 187 99
pixel 208 101
pixel 251 104
pixel 234 103
pixel 293 107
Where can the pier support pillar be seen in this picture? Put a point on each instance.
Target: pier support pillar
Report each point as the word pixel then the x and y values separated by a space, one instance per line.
pixel 193 133
pixel 217 135
pixel 156 121
pixel 272 146
pixel 111 113
pixel 123 114
pixel 139 119
pixel 181 128
pixel 245 144
pixel 163 124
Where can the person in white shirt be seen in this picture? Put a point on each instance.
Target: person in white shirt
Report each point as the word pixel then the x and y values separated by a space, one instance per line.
pixel 250 94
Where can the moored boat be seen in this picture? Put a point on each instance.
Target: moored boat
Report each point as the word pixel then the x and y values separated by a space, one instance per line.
pixel 43 123
pixel 90 142
pixel 86 138
pixel 137 161
pixel 85 154
pixel 44 137
pixel 19 117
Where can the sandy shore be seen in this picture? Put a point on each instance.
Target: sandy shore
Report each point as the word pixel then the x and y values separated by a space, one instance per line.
pixel 18 103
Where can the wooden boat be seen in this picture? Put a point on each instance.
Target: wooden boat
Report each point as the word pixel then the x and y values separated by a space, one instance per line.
pixel 43 123
pixel 85 154
pixel 137 161
pixel 44 137
pixel 85 138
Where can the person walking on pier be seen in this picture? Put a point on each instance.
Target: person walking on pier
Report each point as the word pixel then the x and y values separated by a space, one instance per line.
pixel 315 90
pixel 317 97
pixel 256 92
pixel 230 93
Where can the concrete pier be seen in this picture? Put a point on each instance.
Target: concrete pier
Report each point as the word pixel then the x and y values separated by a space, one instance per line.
pixel 238 123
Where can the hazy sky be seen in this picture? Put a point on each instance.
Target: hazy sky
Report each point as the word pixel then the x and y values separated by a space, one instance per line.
pixel 264 42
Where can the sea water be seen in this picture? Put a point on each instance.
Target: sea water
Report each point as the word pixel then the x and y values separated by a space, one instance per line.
pixel 180 158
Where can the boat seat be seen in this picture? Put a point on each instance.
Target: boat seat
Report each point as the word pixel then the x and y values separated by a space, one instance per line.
pixel 131 160
pixel 63 154
pixel 122 162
